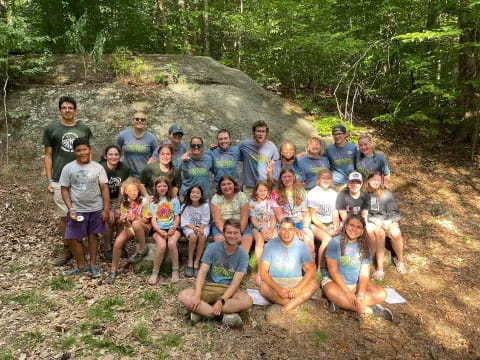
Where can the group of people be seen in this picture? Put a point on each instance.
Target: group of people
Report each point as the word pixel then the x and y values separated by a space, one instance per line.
pixel 325 212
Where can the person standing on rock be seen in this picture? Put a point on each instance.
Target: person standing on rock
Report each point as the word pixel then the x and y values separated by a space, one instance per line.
pixel 225 157
pixel 196 170
pixel 217 292
pixel 257 154
pixel 137 144
pixel 58 140
pixel 174 140
pixel 341 155
pixel 287 269
pixel 84 186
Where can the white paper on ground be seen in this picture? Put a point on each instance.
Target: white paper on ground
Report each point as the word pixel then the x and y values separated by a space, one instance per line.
pixel 394 297
pixel 257 298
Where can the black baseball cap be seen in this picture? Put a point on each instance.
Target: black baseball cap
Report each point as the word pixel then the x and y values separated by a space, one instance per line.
pixel 339 127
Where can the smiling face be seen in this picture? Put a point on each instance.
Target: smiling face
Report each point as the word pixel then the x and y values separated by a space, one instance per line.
pixel 227 187
pixel 139 121
pixel 161 188
pixel 224 140
pixel 165 155
pixel 287 179
pixel 196 148
pixel 232 235
pixel 354 229
pixel 314 147
pixel 374 182
pixel 67 111
pixel 132 192
pixel 175 138
pixel 195 195
pixel 287 151
pixel 286 233
pixel 112 157
pixel 262 192
pixel 354 186
pixel 82 154
pixel 365 145
pixel 339 138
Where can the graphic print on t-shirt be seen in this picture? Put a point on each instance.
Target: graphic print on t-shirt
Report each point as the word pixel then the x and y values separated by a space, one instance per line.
pixel 67 141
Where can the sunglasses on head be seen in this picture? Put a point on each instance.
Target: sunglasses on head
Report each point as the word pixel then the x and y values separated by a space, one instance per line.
pixel 196 146
pixel 140 119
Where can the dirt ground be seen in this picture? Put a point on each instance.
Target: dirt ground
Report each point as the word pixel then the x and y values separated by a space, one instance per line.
pixel 44 316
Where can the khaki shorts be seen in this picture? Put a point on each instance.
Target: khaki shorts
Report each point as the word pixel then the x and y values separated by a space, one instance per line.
pixel 211 292
pixel 287 283
pixel 326 280
pixel 61 209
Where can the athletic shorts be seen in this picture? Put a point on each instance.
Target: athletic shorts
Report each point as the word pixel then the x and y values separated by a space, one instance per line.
pixel 326 280
pixel 287 283
pixel 92 224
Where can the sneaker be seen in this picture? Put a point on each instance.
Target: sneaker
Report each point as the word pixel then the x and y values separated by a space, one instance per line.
pixel 195 272
pixel 111 277
pixel 332 307
pixel 124 254
pixel 380 311
pixel 379 275
pixel 76 271
pixel 188 271
pixel 195 318
pixel 138 256
pixel 63 260
pixel 232 320
pixel 108 255
pixel 400 266
pixel 95 271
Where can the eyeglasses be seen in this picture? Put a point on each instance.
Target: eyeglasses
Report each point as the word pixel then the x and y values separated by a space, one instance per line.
pixel 177 134
pixel 140 119
pixel 67 108
pixel 338 133
pixel 196 146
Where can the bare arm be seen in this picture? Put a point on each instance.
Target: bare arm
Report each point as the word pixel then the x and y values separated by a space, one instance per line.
pixel 48 164
pixel 264 268
pixel 217 217
pixel 309 274
pixel 244 217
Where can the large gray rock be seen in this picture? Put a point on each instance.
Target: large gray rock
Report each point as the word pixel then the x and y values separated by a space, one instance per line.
pixel 209 96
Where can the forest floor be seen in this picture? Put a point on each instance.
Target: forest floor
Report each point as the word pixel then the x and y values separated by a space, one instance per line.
pixel 46 316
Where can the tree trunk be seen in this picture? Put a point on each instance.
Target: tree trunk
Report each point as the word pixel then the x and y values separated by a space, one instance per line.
pixel 468 74
pixel 53 23
pixel 162 22
pixel 206 32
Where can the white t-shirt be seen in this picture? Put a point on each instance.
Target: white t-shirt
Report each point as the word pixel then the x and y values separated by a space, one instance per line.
pixel 195 216
pixel 323 202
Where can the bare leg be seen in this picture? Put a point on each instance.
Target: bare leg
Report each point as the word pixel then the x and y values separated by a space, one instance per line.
pixel 140 228
pixel 200 246
pixel 172 249
pixel 307 292
pixel 108 235
pixel 259 243
pixel 324 237
pixel 397 240
pixel 374 294
pixel 247 243
pixel 192 243
pixel 158 258
pixel 308 240
pixel 336 295
pixel 76 248
pixel 117 247
pixel 93 248
pixel 271 294
pixel 237 303
pixel 380 253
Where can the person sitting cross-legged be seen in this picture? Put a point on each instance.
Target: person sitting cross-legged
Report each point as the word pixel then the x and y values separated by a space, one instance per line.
pixel 216 294
pixel 281 267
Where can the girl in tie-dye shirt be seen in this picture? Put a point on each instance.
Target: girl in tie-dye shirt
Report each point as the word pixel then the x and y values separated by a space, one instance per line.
pixel 165 211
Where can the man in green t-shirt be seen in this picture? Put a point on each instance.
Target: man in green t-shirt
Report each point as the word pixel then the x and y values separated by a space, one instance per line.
pixel 58 140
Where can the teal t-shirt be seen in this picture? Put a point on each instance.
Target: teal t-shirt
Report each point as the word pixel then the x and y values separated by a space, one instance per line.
pixel 222 265
pixel 60 138
pixel 286 262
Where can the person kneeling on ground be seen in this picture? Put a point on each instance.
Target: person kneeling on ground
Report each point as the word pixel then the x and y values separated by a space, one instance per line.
pixel 347 282
pixel 281 267
pixel 216 293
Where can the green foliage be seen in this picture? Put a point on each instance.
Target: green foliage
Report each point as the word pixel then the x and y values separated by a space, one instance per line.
pixel 77 33
pixel 30 300
pixel 105 308
pixel 440 34
pixel 125 67
pixel 141 333
pixel 319 338
pixel 325 124
pixel 99 342
pixel 168 340
pixel 61 283
pixel 31 339
pixel 6 354
pixel 65 342
pixel 149 297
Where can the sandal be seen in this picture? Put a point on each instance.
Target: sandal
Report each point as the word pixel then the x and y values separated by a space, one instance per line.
pixel 378 275
pixel 153 280
pixel 400 266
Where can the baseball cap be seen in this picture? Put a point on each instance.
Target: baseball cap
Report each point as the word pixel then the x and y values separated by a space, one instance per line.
pixel 175 129
pixel 355 176
pixel 339 127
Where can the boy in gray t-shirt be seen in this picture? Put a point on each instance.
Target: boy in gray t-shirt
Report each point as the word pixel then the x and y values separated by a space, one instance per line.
pixel 84 185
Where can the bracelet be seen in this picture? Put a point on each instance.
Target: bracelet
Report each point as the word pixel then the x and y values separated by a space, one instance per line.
pixel 222 300
pixel 260 228
pixel 49 181
pixel 70 209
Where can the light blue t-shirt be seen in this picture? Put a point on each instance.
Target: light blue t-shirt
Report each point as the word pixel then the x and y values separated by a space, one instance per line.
pixel 350 263
pixel 342 160
pixel 164 212
pixel 310 167
pixel 286 262
pixel 255 160
pixel 136 151
pixel 223 266
pixel 369 164
pixel 176 154
pixel 295 166
pixel 225 162
pixel 196 172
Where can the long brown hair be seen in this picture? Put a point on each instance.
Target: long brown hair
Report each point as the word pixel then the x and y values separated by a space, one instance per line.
pixel 362 240
pixel 156 195
pixel 171 167
pixel 282 194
